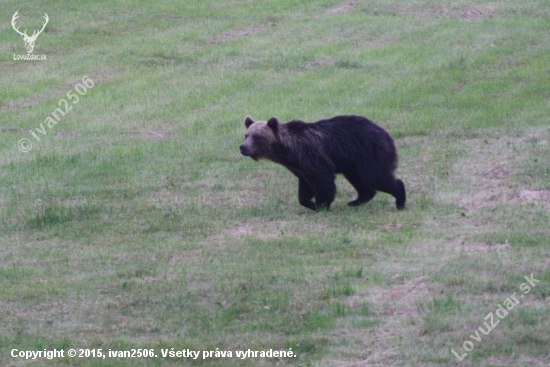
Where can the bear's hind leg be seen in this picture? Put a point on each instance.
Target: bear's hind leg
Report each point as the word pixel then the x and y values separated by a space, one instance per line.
pixel 365 194
pixel 401 197
pixel 396 188
pixel 305 194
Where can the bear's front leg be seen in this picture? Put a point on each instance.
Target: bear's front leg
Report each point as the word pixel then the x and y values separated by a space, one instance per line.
pixel 325 190
pixel 305 194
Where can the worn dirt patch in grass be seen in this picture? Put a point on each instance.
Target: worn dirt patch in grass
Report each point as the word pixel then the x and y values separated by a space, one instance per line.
pixel 397 300
pixel 152 134
pixel 187 256
pixel 496 176
pixel 111 18
pixel 493 187
pixel 32 101
pixel 405 296
pixel 534 196
pixel 373 44
pixel 235 34
pixel 7 129
pixel 495 170
pixel 395 227
pixel 273 229
pixel 342 9
pixel 397 307
pixel 99 76
pixel 238 199
pixel 257 229
pixel 489 173
pixel 473 14
pixel 483 248
pixel 65 133
pixel 435 10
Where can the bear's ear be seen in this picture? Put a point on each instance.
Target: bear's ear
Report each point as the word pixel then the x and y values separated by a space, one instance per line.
pixel 248 121
pixel 273 123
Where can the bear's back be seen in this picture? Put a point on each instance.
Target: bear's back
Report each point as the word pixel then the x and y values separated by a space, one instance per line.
pixel 351 139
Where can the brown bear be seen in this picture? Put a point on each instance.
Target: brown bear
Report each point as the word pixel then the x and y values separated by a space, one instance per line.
pixel 315 152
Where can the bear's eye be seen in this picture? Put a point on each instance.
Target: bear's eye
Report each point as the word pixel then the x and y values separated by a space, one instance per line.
pixel 246 136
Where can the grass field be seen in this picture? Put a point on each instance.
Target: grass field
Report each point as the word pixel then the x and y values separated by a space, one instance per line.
pixel 135 222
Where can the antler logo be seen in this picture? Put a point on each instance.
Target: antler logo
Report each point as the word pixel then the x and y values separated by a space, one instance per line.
pixel 29 40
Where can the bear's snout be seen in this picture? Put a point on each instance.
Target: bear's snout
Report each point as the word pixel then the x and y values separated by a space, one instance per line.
pixel 243 150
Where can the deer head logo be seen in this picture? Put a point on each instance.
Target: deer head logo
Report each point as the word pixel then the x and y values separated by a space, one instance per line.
pixel 29 40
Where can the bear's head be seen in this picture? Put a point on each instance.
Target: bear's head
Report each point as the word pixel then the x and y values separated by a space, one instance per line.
pixel 259 138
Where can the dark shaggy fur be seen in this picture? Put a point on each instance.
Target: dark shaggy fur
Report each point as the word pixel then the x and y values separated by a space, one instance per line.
pixel 351 145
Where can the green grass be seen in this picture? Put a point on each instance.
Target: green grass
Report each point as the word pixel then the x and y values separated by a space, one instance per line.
pixel 135 222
